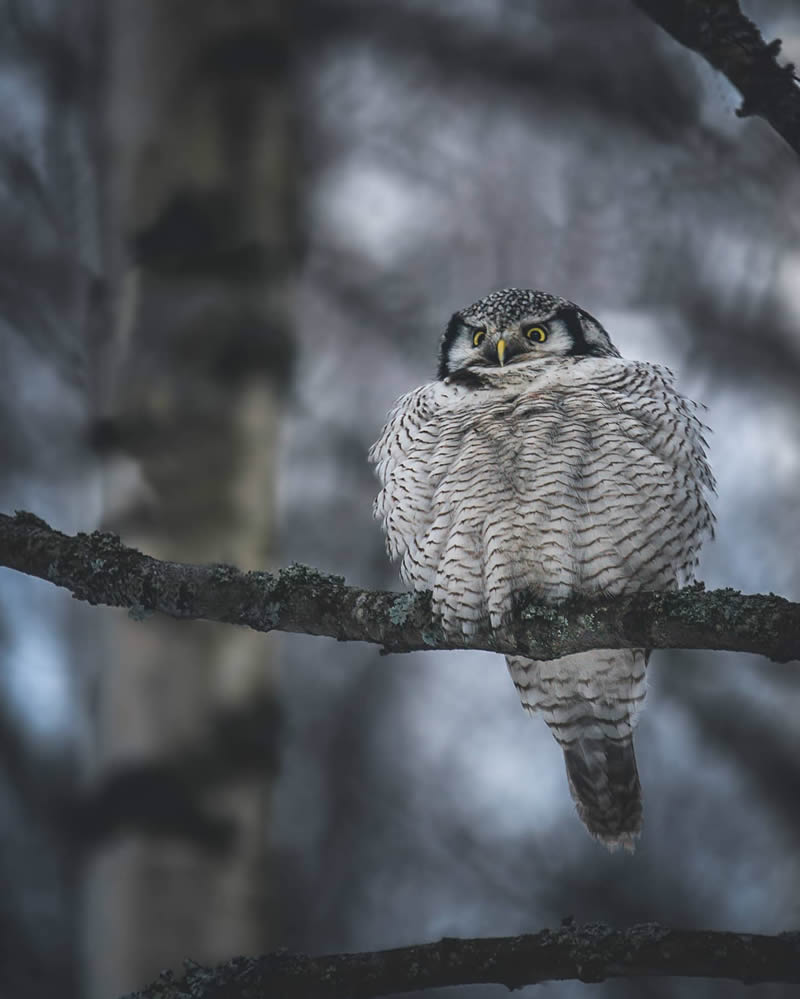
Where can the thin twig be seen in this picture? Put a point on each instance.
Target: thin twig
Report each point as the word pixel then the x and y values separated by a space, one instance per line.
pixel 732 44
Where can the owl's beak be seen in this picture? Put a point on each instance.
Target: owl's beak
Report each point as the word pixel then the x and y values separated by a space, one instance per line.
pixel 501 351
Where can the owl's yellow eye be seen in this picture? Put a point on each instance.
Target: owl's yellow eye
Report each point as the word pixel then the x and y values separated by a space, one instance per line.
pixel 478 337
pixel 537 333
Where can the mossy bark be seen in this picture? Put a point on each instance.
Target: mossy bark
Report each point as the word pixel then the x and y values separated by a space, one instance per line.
pixel 99 569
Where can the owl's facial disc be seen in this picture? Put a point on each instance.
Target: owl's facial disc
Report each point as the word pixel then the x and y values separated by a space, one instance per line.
pixel 471 347
pixel 516 326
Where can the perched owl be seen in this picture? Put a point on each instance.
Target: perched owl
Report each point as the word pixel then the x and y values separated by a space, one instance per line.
pixel 542 460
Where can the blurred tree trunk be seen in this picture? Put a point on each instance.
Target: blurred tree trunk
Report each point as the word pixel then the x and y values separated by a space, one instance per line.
pixel 203 191
pixel 50 283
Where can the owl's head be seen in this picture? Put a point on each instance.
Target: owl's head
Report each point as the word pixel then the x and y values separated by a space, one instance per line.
pixel 516 325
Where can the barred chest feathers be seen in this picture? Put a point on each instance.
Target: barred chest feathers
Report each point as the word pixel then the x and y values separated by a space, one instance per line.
pixel 575 477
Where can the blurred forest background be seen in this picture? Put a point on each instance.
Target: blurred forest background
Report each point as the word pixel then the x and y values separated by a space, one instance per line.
pixel 232 233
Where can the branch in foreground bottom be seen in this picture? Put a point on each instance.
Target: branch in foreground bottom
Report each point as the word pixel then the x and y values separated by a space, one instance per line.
pixel 99 569
pixel 589 953
pixel 732 44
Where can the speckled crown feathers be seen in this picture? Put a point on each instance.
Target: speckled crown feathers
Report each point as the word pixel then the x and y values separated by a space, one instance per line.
pixel 509 305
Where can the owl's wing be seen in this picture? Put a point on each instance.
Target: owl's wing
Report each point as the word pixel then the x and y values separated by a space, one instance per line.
pixel 438 476
pixel 647 477
pixel 617 474
pixel 404 459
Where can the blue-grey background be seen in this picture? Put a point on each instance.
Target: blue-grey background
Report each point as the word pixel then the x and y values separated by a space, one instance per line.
pixel 442 151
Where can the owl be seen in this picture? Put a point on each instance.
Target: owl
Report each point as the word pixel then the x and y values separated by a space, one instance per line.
pixel 541 460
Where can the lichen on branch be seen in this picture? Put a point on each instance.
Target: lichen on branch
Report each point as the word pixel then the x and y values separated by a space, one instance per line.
pixel 99 569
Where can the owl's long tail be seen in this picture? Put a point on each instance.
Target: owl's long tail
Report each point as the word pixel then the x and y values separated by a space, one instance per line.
pixel 590 701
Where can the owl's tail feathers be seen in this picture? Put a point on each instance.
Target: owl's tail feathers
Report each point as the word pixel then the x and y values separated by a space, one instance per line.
pixel 604 783
pixel 590 701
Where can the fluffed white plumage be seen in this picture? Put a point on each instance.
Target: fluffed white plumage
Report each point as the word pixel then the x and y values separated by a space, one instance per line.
pixel 561 475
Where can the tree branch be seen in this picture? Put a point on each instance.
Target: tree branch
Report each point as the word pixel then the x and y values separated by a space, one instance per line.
pixel 99 569
pixel 732 44
pixel 590 953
